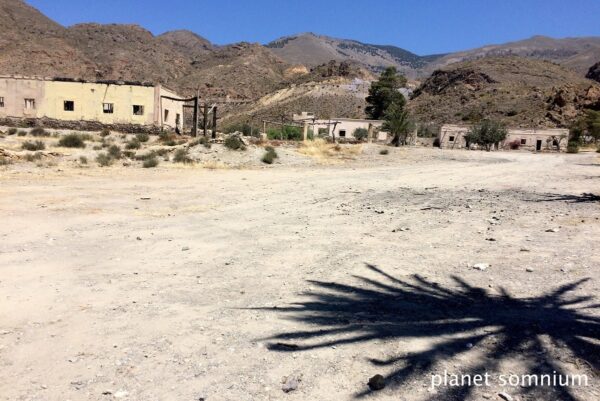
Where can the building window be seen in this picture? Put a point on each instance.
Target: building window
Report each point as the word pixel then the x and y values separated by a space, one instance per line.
pixel 342 133
pixel 108 108
pixel 69 105
pixel 30 104
pixel 523 141
pixel 451 138
pixel 138 110
pixel 177 119
pixel 166 115
pixel 1 102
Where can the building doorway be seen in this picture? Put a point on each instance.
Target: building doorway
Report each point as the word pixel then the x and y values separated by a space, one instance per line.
pixel 538 145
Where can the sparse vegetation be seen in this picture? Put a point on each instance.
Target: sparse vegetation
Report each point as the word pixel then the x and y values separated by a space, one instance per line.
pixel 150 163
pixel 34 156
pixel 114 151
pixel 288 133
pixel 384 151
pixel 398 123
pixel 270 155
pixel 12 131
pixel 146 156
pixel 133 144
pixel 201 141
pixel 245 128
pixel 21 133
pixel 142 137
pixel 72 141
pixel 39 131
pixel 104 133
pixel 361 134
pixel 104 160
pixel 573 147
pixel 182 156
pixel 83 160
pixel 5 161
pixel 33 146
pixel 486 134
pixel 234 142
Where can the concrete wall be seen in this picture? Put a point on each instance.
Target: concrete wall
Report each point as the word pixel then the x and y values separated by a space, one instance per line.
pixel 88 101
pixel 344 129
pixel 453 137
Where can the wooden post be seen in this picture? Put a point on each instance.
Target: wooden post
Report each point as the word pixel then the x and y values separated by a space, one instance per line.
pixel 205 119
pixel 305 131
pixel 264 127
pixel 195 118
pixel 370 133
pixel 214 126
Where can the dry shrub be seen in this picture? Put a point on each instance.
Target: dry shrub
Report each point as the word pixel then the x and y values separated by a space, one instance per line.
pixel 321 149
pixel 214 165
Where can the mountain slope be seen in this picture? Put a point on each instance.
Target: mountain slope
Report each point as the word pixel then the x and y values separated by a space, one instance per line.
pixel 516 90
pixel 310 49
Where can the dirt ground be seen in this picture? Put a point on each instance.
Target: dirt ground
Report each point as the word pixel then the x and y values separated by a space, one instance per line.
pixel 235 284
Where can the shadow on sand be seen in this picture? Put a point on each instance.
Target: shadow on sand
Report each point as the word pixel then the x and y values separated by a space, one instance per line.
pixel 503 326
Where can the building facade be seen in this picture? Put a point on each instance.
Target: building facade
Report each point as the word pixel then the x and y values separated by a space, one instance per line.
pixel 453 137
pixel 342 128
pixel 104 102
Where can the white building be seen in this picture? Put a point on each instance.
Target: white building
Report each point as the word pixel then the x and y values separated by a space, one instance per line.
pixel 341 128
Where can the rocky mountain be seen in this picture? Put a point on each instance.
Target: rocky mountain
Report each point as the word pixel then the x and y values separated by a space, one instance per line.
pixel 594 72
pixel 516 90
pixel 310 49
pixel 577 54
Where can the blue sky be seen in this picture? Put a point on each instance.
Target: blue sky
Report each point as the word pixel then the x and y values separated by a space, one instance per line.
pixel 421 26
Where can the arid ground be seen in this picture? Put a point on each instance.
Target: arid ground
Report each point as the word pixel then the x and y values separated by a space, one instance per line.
pixel 234 284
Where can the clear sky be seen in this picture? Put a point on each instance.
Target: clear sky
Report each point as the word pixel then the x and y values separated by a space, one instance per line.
pixel 421 26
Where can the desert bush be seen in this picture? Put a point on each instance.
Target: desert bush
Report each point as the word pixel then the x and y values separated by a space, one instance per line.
pixel 146 156
pixel 114 151
pixel 150 163
pixel 33 156
pixel 515 145
pixel 133 144
pixel 287 133
pixel 12 131
pixel 5 161
pixel 360 134
pixel 573 147
pixel 142 137
pixel 83 160
pixel 39 131
pixel 104 159
pixel 384 151
pixel 170 142
pixel 104 133
pixel 33 146
pixel 244 128
pixel 234 142
pixel 21 133
pixel 270 155
pixel 162 152
pixel 598 149
pixel 128 153
pixel 72 141
pixel 201 141
pixel 97 147
pixel 181 156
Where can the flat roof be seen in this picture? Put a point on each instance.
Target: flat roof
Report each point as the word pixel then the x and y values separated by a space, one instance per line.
pixel 80 80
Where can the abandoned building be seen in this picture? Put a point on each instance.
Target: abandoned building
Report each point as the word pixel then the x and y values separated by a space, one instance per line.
pixel 341 128
pixel 109 103
pixel 453 137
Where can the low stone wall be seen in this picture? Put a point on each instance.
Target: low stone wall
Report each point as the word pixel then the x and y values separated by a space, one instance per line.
pixel 78 125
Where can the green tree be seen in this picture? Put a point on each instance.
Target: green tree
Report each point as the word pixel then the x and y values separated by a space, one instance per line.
pixel 360 134
pixel 385 92
pixel 487 134
pixel 397 123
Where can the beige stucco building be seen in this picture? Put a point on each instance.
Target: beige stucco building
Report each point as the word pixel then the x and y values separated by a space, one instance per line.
pixel 104 102
pixel 342 128
pixel 453 137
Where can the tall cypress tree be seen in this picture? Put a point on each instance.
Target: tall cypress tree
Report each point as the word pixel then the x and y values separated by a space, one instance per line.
pixel 385 92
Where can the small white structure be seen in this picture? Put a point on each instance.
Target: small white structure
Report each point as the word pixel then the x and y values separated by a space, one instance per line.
pixel 453 137
pixel 341 128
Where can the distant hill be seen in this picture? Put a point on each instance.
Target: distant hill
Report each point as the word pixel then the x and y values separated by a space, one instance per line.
pixel 311 49
pixel 516 90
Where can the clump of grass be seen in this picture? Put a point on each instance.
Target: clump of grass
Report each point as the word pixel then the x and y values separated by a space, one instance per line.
pixel 5 161
pixel 39 131
pixel 83 160
pixel 182 156
pixel 97 147
pixel 33 156
pixel 12 131
pixel 142 137
pixel 129 154
pixel 234 142
pixel 270 155
pixel 321 149
pixel 201 141
pixel 104 133
pixel 572 147
pixel 33 146
pixel 171 142
pixel 21 133
pixel 72 141
pixel 114 151
pixel 146 156
pixel 162 152
pixel 104 160
pixel 384 151
pixel 150 163
pixel 133 144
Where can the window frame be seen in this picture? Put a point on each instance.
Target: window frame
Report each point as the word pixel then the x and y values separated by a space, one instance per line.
pixel 30 104
pixel 140 109
pixel 451 138
pixel 109 110
pixel 2 102
pixel 523 141
pixel 71 103
pixel 340 133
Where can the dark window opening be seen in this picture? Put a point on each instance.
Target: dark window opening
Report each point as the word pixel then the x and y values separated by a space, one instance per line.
pixel 342 133
pixel 177 119
pixel 30 103
pixel 166 115
pixel 523 141
pixel 69 105
pixel 138 110
pixel 1 102
pixel 451 138
pixel 108 108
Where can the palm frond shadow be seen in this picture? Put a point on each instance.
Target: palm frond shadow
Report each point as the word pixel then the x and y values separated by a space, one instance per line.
pixel 388 308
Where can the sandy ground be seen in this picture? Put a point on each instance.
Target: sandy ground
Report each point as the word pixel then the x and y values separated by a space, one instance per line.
pixel 195 284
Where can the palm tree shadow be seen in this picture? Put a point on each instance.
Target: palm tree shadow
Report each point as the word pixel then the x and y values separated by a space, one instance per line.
pixel 457 319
